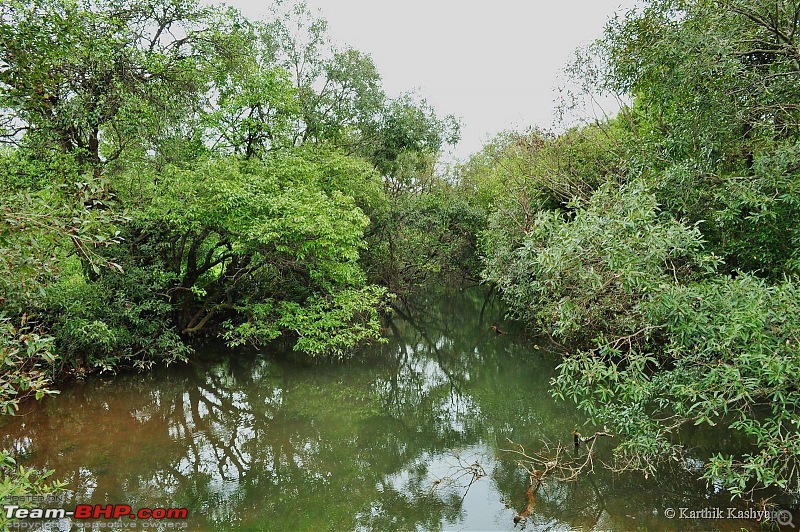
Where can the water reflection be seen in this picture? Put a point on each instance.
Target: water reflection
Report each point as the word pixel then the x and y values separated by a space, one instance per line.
pixel 258 441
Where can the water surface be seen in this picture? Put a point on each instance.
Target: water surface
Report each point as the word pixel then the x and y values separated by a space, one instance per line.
pixel 264 441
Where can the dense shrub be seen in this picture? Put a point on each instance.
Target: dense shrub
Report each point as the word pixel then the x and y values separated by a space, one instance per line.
pixel 730 355
pixel 580 274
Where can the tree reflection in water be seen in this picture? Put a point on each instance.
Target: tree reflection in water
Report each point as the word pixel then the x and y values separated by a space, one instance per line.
pixel 261 441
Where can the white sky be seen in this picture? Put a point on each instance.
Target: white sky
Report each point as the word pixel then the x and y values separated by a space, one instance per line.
pixel 495 64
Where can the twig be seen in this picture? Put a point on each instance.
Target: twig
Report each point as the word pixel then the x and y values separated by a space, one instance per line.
pixel 553 462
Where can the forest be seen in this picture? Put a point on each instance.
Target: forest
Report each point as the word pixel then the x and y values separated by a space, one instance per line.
pixel 173 173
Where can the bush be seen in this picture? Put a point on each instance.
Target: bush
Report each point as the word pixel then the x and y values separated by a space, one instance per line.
pixel 26 358
pixel 730 356
pixel 122 319
pixel 577 276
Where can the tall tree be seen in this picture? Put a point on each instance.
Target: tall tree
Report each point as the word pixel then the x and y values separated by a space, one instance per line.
pixel 714 116
pixel 90 77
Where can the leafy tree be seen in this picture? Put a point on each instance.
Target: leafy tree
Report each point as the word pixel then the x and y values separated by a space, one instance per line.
pixel 81 83
pixel 255 106
pixel 34 223
pixel 258 244
pixel 41 227
pixel 668 333
pixel 87 77
pixel 406 138
pixel 337 90
pixel 427 227
pixel 714 86
pixel 577 277
pixel 424 237
pixel 257 112
pixel 729 357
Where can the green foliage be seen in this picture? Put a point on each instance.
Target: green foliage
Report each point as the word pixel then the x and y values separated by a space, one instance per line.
pixel 714 118
pixel 256 113
pixel 729 357
pixel 264 246
pixel 119 320
pixel 614 387
pixel 665 333
pixel 424 236
pixel 257 105
pixel 189 152
pixel 78 76
pixel 19 481
pixel 736 349
pixel 521 173
pixel 516 179
pixel 401 142
pixel 40 227
pixel 325 325
pixel 26 359
pixel 338 92
pixel 577 276
pixel 171 170
pixel 660 338
pixel 756 213
pixel 174 170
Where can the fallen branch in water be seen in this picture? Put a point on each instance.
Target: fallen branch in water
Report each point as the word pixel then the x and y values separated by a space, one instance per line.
pixel 554 462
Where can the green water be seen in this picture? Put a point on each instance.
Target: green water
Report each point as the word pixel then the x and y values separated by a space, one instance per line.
pixel 260 441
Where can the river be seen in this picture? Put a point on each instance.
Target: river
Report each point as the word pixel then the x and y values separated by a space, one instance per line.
pixel 411 435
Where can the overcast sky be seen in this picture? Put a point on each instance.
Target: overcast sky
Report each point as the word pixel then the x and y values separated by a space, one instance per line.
pixel 493 63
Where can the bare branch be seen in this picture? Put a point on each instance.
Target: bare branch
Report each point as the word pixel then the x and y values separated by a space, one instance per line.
pixel 556 463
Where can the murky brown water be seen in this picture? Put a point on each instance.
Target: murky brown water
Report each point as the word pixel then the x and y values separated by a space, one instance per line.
pixel 257 441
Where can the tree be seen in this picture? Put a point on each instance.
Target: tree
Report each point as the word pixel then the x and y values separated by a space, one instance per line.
pixel 88 77
pixel 82 82
pixel 713 130
pixel 715 119
pixel 582 276
pixel 337 90
pixel 251 249
pixel 404 141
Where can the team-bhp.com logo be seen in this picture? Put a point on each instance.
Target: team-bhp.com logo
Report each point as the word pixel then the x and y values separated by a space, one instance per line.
pixel 94 511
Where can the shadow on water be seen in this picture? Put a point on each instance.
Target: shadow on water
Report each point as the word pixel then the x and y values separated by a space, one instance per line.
pixel 258 441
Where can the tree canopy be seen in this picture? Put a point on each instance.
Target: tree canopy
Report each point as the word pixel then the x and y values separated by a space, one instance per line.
pixel 660 246
pixel 174 172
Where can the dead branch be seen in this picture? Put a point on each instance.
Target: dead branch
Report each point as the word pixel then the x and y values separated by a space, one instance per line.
pixel 554 462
